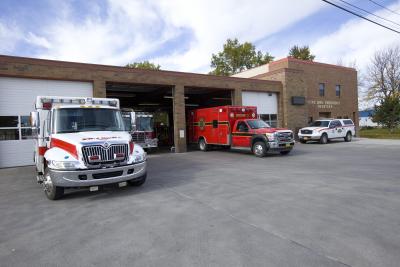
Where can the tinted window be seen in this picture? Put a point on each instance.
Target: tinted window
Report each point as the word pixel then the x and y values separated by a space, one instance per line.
pixel 348 122
pixel 242 127
pixel 257 124
pixel 320 123
pixel 321 89
pixel 8 121
pixel 337 90
pixel 25 121
pixel 9 134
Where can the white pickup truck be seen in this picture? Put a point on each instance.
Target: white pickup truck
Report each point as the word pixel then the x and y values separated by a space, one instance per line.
pixel 83 142
pixel 324 130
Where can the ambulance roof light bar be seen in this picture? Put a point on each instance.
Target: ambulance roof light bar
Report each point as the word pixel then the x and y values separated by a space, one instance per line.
pixel 48 102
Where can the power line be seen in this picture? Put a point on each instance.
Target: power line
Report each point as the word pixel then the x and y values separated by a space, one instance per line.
pixel 394 12
pixel 361 16
pixel 366 11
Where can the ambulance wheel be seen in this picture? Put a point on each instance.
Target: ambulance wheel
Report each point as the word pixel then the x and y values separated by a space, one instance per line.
pixel 51 191
pixel 203 145
pixel 138 181
pixel 285 152
pixel 324 139
pixel 348 137
pixel 259 149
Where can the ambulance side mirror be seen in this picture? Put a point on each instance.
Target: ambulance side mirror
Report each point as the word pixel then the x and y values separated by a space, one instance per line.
pixel 35 122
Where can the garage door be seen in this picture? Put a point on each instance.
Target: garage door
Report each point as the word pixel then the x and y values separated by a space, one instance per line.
pixel 16 102
pixel 266 103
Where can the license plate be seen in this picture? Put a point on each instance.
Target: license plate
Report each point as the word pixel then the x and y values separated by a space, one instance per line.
pixel 305 138
pixel 288 145
pixel 93 188
pixel 122 184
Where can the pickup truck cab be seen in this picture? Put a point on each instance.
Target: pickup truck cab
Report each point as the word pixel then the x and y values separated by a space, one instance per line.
pixel 326 129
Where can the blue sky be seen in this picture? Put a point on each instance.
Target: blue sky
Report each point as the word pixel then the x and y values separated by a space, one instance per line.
pixel 182 35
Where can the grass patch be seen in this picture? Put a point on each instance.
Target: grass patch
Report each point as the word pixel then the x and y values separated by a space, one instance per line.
pixel 380 133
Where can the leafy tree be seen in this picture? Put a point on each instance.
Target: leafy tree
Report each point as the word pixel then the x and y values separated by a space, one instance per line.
pixel 384 86
pixel 146 65
pixel 388 112
pixel 237 57
pixel 303 53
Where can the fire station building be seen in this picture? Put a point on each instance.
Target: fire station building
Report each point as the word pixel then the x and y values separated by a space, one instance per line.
pixel 287 93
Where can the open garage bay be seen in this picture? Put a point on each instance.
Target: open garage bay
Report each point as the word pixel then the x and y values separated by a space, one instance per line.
pixel 323 205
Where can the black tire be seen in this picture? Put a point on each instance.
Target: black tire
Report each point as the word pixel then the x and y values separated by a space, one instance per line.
pixel 303 141
pixel 324 139
pixel 348 137
pixel 203 145
pixel 51 191
pixel 138 181
pixel 259 149
pixel 285 152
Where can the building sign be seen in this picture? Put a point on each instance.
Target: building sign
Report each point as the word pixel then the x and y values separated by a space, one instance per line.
pixel 324 104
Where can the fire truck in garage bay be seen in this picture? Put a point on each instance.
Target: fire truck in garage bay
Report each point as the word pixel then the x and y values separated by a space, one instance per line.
pixel 237 127
pixel 83 142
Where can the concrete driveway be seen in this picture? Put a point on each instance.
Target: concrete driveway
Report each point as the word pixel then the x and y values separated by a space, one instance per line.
pixel 323 205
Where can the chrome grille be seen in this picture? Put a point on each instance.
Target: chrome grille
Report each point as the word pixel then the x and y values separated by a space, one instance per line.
pixel 285 136
pixel 139 137
pixel 107 155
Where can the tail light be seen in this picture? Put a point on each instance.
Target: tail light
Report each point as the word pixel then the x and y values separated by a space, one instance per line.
pixel 131 145
pixel 47 105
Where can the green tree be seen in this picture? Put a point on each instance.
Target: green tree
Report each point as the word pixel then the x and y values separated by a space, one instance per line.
pixel 145 65
pixel 303 53
pixel 237 57
pixel 387 112
pixel 384 86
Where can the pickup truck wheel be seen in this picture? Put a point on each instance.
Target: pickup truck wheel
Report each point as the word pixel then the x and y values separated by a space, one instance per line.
pixel 348 137
pixel 259 149
pixel 203 145
pixel 51 191
pixel 323 139
pixel 138 181
pixel 285 152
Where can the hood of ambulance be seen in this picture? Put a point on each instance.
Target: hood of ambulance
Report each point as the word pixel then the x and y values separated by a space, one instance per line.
pixel 80 139
pixel 270 130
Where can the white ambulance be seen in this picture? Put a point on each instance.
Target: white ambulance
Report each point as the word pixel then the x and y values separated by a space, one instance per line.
pixel 83 142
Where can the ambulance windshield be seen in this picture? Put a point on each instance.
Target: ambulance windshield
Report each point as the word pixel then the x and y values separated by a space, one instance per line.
pixel 69 120
pixel 257 124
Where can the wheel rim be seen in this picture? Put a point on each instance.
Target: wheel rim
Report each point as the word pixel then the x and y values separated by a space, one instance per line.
pixel 258 149
pixel 349 137
pixel 47 184
pixel 324 139
pixel 202 145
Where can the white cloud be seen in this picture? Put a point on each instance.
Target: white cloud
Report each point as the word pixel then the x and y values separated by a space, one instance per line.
pixel 9 38
pixel 132 30
pixel 357 40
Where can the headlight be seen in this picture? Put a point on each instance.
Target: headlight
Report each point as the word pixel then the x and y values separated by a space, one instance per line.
pixel 140 157
pixel 271 136
pixel 63 165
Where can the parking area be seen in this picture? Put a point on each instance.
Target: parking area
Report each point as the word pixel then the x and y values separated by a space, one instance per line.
pixel 322 205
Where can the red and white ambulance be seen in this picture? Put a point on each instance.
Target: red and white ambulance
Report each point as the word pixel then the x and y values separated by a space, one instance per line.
pixel 237 127
pixel 83 142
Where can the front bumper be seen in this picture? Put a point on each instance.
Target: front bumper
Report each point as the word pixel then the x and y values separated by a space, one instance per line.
pixel 309 137
pixel 95 177
pixel 281 146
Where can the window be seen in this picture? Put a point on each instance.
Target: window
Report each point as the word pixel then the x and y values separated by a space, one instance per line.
pixel 337 90
pixel 242 127
pixel 271 119
pixel 15 128
pixel 321 89
pixel 348 122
